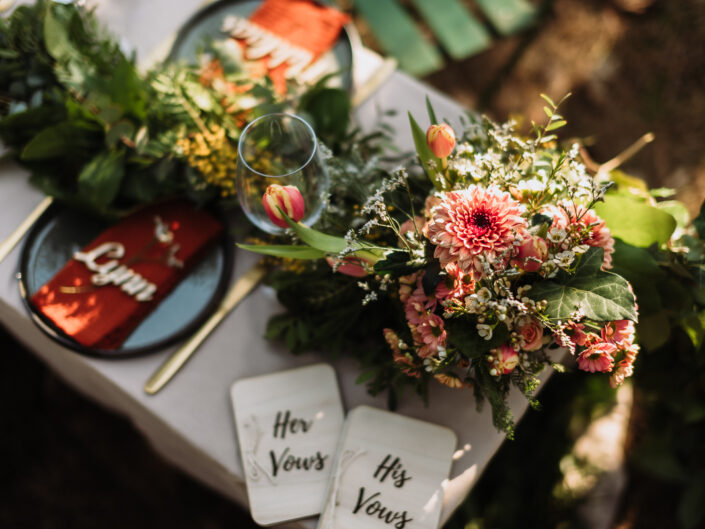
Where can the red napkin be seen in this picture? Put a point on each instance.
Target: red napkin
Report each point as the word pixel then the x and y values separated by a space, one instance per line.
pixel 304 24
pixel 101 295
pixel 301 22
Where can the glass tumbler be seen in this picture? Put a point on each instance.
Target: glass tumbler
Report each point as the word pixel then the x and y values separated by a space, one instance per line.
pixel 279 149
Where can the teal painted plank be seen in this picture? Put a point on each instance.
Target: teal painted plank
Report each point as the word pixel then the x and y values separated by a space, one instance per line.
pixel 458 31
pixel 398 35
pixel 508 16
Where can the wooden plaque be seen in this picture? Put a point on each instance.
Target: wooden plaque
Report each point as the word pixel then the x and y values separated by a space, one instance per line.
pixel 288 424
pixel 390 471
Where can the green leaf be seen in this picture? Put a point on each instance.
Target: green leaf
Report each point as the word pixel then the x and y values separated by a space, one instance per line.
pixel 425 154
pixel 694 326
pixel 691 509
pixel 635 222
pixel 117 131
pixel 319 240
pixel 329 109
pixel 677 210
pixel 99 181
pixel 56 36
pixel 59 140
pixel 639 267
pixel 548 100
pixel 286 251
pixel 602 296
pixel 431 112
pixel 556 124
pixel 462 334
pixel 699 222
pixel 398 264
pixel 653 331
pixel 364 377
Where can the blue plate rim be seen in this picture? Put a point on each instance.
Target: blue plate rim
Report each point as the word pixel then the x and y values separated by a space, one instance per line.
pixel 226 244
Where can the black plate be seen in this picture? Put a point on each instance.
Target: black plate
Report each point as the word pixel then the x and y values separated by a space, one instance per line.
pixel 60 232
pixel 206 24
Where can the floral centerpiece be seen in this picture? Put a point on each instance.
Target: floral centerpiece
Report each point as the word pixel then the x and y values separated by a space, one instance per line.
pixel 470 273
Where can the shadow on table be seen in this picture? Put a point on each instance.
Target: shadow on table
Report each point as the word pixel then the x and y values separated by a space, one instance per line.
pixel 66 462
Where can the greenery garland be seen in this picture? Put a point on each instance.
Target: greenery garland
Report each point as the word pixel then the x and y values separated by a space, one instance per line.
pixel 97 133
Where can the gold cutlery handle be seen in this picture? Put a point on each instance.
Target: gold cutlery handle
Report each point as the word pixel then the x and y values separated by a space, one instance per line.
pixel 237 293
pixel 16 236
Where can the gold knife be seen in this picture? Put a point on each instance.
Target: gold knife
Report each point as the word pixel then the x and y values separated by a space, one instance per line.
pixel 16 236
pixel 242 287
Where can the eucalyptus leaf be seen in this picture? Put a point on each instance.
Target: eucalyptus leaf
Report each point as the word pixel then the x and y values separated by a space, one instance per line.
pixel 602 296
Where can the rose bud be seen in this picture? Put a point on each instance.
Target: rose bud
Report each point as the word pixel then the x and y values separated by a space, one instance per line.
pixel 503 360
pixel 286 198
pixel 441 140
pixel 356 265
pixel 532 253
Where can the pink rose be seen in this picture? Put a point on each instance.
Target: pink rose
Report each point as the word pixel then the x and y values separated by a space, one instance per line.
pixel 532 333
pixel 532 253
pixel 358 265
pixel 286 198
pixel 506 359
pixel 441 139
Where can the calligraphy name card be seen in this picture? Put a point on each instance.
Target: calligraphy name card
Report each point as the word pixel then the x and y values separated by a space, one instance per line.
pixel 389 473
pixel 288 425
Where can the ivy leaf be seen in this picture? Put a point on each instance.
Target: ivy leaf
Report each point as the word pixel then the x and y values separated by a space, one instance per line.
pixel 99 181
pixel 634 221
pixel 286 251
pixel 602 296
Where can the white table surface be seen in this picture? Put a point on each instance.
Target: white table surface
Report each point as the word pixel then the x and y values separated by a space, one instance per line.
pixel 190 421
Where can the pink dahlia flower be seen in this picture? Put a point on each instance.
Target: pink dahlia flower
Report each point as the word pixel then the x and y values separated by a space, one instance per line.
pixel 431 335
pixel 598 357
pixel 418 304
pixel 456 285
pixel 473 225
